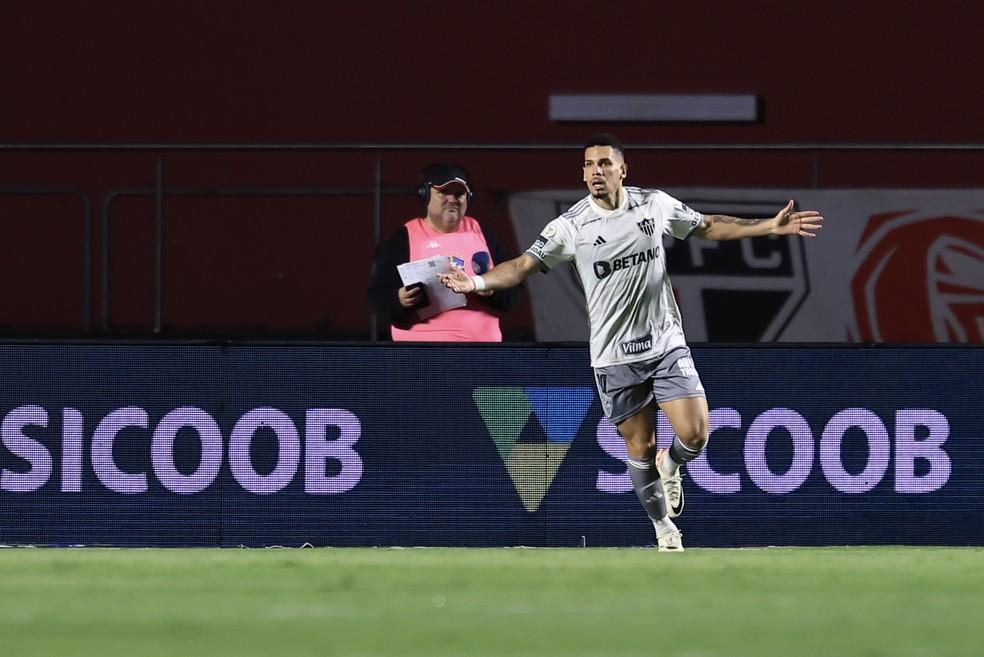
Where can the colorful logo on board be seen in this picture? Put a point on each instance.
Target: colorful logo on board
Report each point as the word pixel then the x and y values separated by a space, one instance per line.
pixel 533 428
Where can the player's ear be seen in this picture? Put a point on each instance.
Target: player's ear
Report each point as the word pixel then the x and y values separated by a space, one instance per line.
pixel 625 170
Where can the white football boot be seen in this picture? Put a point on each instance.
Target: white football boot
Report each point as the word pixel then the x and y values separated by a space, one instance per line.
pixel 672 488
pixel 671 541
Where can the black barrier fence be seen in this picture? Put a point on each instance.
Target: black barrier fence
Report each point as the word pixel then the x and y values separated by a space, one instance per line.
pixel 100 192
pixel 170 445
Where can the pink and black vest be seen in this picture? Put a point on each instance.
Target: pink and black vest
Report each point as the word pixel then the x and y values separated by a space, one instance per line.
pixel 470 323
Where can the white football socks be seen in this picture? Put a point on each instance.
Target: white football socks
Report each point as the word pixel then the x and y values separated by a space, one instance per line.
pixel 667 465
pixel 664 526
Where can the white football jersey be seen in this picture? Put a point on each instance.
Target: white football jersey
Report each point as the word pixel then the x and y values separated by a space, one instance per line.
pixel 618 255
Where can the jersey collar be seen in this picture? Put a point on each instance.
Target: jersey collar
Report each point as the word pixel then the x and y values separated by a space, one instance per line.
pixel 608 213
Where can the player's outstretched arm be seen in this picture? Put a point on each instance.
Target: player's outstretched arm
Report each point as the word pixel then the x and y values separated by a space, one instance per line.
pixel 804 223
pixel 504 275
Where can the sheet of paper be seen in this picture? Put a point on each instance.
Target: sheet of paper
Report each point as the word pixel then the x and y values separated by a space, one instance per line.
pixel 425 271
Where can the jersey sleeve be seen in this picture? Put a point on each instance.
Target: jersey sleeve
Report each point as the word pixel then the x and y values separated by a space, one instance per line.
pixel 556 244
pixel 680 219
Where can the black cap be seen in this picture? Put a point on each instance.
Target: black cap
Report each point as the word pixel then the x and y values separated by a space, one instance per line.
pixel 442 174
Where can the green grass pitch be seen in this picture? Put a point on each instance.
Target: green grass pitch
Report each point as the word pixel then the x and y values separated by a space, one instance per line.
pixel 834 602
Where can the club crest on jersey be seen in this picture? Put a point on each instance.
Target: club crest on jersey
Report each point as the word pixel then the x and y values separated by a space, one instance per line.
pixel 647 226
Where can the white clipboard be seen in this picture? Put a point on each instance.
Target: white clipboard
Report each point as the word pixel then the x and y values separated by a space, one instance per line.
pixel 439 297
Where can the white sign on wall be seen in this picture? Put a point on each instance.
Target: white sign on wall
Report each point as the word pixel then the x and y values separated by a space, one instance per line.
pixel 888 266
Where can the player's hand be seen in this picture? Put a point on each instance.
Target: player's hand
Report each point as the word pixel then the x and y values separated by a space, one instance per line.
pixel 805 223
pixel 410 298
pixel 457 280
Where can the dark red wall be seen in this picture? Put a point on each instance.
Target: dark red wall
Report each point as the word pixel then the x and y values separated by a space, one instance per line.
pixel 207 72
pixel 421 71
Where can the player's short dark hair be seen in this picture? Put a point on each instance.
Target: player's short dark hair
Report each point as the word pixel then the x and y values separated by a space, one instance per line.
pixel 606 139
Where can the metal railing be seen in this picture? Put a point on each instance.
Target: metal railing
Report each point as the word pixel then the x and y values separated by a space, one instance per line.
pixel 160 193
pixel 377 191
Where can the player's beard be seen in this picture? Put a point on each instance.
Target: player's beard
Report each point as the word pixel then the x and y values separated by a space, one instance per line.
pixel 604 195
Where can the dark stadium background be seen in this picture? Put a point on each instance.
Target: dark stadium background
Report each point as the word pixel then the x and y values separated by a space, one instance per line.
pixel 300 74
pixel 209 379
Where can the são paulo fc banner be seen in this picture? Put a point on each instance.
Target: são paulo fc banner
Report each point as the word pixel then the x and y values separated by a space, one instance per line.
pixel 475 446
pixel 888 266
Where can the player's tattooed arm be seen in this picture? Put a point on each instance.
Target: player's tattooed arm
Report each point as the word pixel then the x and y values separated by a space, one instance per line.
pixel 711 219
pixel 725 227
pixel 725 219
pixel 786 222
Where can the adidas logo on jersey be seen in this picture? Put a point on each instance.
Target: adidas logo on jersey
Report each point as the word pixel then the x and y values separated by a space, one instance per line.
pixel 600 241
pixel 433 245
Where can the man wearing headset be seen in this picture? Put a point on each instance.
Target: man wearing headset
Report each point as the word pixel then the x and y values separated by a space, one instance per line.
pixel 445 230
